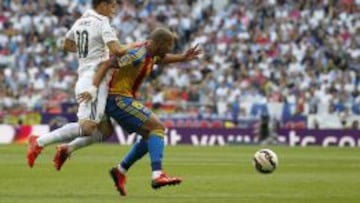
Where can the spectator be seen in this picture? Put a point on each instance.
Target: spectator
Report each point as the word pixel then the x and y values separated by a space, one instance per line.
pixel 305 53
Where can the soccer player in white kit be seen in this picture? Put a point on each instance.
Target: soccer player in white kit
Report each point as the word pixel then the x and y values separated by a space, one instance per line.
pixel 93 39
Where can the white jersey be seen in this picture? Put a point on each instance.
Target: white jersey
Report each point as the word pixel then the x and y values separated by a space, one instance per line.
pixel 91 32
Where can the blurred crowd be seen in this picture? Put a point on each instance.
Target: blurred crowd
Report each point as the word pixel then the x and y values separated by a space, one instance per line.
pixel 303 53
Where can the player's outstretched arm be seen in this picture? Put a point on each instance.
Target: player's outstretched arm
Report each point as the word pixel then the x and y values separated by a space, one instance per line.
pixel 188 55
pixel 69 45
pixel 117 49
pixel 103 69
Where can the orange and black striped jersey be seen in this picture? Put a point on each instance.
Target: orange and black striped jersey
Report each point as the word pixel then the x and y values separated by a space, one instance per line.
pixel 135 66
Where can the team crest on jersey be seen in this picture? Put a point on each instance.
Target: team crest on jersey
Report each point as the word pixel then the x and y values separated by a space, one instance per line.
pixel 124 61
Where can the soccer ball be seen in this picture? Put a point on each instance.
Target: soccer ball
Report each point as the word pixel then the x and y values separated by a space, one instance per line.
pixel 265 161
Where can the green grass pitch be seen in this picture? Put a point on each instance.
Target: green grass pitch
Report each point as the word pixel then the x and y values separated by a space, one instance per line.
pixel 211 175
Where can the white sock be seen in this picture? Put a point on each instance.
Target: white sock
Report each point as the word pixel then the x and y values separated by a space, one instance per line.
pixel 84 141
pixel 67 132
pixel 156 174
pixel 121 169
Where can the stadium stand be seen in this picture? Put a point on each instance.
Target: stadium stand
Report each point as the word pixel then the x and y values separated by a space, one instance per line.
pixel 293 57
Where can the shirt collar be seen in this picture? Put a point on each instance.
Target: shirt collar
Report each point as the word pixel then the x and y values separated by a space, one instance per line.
pixel 93 12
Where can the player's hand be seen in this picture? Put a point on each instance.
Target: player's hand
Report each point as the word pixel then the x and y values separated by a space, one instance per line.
pixel 192 53
pixel 89 95
pixel 84 97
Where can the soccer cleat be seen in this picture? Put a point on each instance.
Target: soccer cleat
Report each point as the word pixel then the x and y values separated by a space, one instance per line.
pixel 33 150
pixel 61 156
pixel 119 180
pixel 164 180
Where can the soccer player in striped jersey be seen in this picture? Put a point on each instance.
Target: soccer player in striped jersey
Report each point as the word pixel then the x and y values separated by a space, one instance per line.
pixel 133 116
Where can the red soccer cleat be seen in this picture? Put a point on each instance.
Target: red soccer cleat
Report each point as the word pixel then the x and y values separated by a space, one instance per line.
pixel 33 150
pixel 61 156
pixel 119 180
pixel 164 180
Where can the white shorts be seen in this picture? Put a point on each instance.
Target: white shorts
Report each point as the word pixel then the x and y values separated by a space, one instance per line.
pixel 93 110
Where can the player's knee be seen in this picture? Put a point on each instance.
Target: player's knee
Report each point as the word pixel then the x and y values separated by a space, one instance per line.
pixel 154 127
pixel 107 132
pixel 161 126
pixel 88 127
pixel 106 128
pixel 158 129
pixel 144 133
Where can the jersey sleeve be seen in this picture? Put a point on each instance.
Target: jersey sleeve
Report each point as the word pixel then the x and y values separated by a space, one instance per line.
pixel 108 33
pixel 70 34
pixel 133 58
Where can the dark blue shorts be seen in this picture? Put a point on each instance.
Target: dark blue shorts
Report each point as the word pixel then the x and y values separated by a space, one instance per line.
pixel 128 112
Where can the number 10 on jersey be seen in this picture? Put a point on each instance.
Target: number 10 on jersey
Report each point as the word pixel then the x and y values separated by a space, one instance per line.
pixel 82 43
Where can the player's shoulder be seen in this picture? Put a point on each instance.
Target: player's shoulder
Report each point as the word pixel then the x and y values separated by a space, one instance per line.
pixel 135 55
pixel 94 16
pixel 137 45
pixel 91 21
pixel 141 43
pixel 137 49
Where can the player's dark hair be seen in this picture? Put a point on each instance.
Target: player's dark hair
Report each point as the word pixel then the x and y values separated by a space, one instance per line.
pixel 95 3
pixel 161 34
